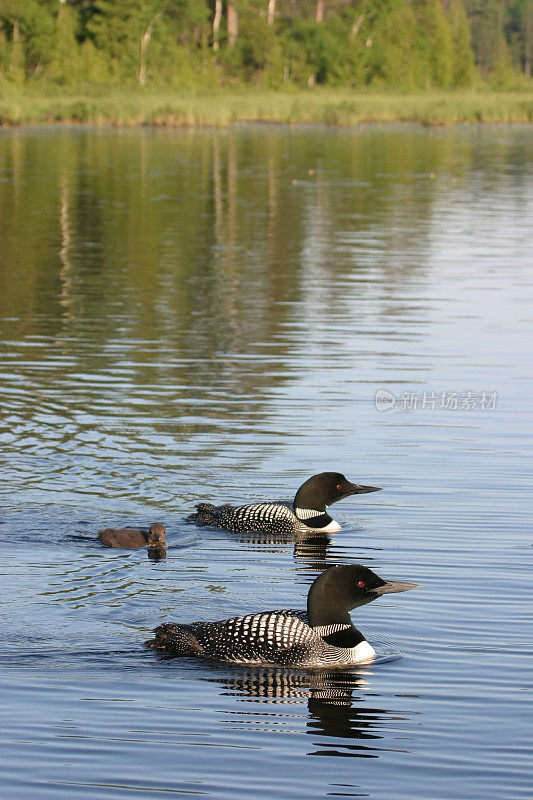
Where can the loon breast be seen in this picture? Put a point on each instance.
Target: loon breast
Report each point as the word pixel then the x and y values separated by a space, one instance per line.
pixel 362 652
pixel 316 520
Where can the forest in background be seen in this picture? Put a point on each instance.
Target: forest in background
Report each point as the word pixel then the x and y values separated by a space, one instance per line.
pixel 265 44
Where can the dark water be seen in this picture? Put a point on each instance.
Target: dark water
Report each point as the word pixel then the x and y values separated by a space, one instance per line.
pixel 209 315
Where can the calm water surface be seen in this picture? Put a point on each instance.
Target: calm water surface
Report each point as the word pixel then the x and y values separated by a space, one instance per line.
pixel 199 315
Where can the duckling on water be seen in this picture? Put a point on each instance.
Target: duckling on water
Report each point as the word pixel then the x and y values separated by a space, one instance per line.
pixel 133 538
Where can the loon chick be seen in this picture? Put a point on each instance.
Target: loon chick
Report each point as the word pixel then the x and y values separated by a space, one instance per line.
pixel 131 538
pixel 307 513
pixel 325 636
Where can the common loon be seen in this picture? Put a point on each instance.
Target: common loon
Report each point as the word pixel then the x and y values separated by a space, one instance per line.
pixel 307 513
pixel 131 538
pixel 324 636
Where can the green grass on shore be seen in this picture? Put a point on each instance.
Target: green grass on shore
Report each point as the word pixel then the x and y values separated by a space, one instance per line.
pixel 230 107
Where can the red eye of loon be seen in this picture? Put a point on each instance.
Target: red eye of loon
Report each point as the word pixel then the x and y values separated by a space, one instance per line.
pixel 339 486
pixel 361 584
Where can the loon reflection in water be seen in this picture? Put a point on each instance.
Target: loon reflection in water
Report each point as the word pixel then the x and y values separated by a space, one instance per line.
pixel 336 704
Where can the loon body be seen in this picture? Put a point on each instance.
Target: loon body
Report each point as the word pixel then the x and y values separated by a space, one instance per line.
pixel 324 636
pixel 132 538
pixel 306 514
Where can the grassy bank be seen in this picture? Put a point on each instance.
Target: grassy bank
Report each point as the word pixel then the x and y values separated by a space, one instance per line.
pixel 328 106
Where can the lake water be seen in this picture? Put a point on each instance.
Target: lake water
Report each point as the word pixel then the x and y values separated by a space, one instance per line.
pixel 208 315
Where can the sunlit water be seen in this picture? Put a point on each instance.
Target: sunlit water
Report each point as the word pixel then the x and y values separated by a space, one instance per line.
pixel 204 315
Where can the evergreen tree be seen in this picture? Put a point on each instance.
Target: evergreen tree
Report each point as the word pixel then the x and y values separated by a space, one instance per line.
pixel 519 34
pixel 390 33
pixel 13 57
pixel 464 71
pixel 486 21
pixel 65 61
pixel 30 27
pixel 433 41
pixel 116 29
pixel 127 32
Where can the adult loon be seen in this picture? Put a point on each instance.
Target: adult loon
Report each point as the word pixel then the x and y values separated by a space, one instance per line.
pixel 131 538
pixel 306 514
pixel 324 636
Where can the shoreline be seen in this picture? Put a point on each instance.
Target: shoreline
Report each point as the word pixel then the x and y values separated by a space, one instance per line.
pixel 76 125
pixel 224 109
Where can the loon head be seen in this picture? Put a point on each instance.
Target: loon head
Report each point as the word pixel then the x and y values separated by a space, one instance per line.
pixel 338 590
pixel 157 535
pixel 324 489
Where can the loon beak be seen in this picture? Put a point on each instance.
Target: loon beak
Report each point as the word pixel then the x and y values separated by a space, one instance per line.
pixel 395 586
pixel 356 488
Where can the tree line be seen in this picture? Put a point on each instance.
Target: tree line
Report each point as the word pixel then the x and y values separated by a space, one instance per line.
pixel 405 44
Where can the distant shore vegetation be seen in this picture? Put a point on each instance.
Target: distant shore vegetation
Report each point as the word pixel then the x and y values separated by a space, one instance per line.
pixel 335 107
pixel 220 62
